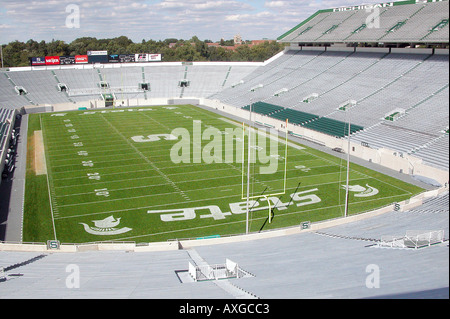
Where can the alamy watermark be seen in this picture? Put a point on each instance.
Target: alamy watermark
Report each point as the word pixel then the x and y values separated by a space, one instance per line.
pixel 205 144
pixel 73 279
pixel 73 19
pixel 373 19
pixel 373 279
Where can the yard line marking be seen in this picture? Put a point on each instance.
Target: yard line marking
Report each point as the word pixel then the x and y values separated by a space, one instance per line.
pixel 254 179
pixel 188 181
pixel 91 145
pixel 117 150
pixel 99 162
pixel 177 203
pixel 91 157
pixel 148 161
pixel 215 198
pixel 102 168
pixel 119 199
pixel 148 177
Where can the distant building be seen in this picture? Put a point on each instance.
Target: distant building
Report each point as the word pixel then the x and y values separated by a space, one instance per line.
pixel 237 43
pixel 237 39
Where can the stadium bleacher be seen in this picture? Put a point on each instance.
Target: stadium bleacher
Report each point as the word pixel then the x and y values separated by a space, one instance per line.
pixel 404 21
pixel 379 83
pixel 6 125
pixel 84 84
pixel 331 263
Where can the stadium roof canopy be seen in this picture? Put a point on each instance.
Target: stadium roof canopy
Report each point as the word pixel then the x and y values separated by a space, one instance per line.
pixel 413 21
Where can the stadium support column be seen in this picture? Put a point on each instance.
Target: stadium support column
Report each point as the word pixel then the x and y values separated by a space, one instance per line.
pixel 1 53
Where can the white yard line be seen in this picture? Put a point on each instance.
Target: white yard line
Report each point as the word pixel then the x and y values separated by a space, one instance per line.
pixel 190 180
pixel 220 159
pixel 148 161
pixel 164 205
pixel 98 162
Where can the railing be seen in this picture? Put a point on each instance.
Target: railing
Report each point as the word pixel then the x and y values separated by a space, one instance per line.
pixel 413 239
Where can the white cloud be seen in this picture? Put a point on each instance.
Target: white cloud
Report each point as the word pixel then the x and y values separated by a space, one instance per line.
pixel 157 19
pixel 275 4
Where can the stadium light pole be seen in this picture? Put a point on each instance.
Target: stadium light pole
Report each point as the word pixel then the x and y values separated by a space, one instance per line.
pixel 259 86
pixel 248 168
pixel 348 167
pixel 1 53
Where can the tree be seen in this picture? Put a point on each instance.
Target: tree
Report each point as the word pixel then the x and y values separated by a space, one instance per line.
pixel 18 53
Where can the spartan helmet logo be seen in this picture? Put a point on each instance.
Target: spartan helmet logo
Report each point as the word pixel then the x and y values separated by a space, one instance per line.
pixel 106 226
pixel 362 191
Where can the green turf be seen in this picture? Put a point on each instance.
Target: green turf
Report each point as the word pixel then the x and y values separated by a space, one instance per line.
pixel 129 179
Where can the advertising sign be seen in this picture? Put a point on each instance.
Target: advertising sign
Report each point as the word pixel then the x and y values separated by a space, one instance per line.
pixel 52 60
pixel 63 60
pixel 90 53
pixel 154 57
pixel 145 57
pixel 141 57
pixel 37 61
pixel 81 59
pixel 113 58
pixel 97 58
pixel 127 58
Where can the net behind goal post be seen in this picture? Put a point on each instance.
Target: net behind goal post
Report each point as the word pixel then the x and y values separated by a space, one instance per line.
pixel 413 239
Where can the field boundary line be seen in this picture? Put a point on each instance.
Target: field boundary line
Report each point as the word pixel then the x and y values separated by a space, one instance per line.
pixel 48 173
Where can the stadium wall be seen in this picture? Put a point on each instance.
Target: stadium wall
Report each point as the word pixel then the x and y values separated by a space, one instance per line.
pixel 130 65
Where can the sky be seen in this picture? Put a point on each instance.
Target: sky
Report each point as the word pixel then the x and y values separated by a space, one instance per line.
pixel 156 19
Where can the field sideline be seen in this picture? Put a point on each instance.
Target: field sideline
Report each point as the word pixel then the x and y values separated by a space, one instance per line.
pixel 109 177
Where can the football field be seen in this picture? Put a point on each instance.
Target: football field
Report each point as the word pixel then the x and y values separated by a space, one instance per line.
pixel 166 172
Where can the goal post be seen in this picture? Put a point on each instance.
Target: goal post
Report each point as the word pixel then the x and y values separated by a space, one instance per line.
pixel 252 150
